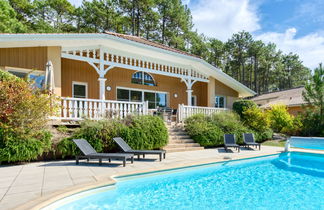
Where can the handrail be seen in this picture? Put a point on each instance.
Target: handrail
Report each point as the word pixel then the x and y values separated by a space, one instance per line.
pixel 81 108
pixel 185 111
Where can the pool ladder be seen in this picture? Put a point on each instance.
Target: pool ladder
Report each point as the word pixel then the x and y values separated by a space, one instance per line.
pixel 287 146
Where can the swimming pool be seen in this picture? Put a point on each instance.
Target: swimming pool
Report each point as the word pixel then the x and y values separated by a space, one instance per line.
pixel 286 181
pixel 307 142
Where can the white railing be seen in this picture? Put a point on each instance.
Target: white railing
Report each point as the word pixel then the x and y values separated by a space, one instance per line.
pixel 187 111
pixel 78 109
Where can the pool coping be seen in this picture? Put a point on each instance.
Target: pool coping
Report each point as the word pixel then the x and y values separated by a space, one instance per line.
pixel 43 201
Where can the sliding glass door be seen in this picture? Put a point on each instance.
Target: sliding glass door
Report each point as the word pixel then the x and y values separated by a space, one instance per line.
pixel 155 99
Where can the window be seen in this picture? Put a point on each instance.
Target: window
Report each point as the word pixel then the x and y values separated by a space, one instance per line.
pixel 220 101
pixel 143 78
pixel 37 77
pixel 155 99
pixel 193 100
pixel 79 90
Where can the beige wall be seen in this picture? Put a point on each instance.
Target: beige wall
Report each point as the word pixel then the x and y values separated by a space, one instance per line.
pixel 222 90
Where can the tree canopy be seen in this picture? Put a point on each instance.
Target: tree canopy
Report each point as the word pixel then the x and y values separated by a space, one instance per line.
pixel 258 65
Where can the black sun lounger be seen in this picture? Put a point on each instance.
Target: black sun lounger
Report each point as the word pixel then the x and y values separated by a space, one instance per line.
pixel 127 149
pixel 229 141
pixel 90 153
pixel 249 140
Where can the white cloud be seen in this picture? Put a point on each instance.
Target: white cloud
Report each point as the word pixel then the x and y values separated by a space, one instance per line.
pixel 310 47
pixel 222 18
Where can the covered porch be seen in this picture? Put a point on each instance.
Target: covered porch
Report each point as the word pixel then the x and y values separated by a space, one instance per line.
pixel 99 82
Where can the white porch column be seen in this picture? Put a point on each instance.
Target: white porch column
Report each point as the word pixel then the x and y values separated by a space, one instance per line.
pixel 189 94
pixel 102 87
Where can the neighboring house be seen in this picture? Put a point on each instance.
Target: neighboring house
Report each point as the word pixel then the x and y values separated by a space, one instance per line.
pixel 117 67
pixel 292 98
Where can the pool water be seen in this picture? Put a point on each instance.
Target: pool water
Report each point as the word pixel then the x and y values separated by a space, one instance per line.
pixel 307 142
pixel 286 181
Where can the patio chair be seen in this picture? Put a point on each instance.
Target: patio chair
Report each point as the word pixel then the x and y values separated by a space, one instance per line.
pixel 90 153
pixel 127 149
pixel 229 141
pixel 249 140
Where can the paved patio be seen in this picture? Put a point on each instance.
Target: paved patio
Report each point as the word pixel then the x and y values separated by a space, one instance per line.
pixel 25 186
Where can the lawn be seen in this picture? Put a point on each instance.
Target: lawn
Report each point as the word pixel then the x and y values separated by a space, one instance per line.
pixel 276 143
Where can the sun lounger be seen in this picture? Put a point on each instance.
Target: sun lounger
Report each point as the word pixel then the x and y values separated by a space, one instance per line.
pixel 127 149
pixel 229 141
pixel 90 153
pixel 249 140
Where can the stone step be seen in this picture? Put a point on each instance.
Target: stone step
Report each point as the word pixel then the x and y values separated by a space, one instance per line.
pixel 178 133
pixel 172 141
pixel 183 149
pixel 179 137
pixel 184 145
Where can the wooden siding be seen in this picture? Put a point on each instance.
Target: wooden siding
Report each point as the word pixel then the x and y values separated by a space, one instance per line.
pixel 79 71
pixel 117 77
pixel 25 57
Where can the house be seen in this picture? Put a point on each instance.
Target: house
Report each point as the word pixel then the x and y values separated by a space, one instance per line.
pixel 127 72
pixel 292 98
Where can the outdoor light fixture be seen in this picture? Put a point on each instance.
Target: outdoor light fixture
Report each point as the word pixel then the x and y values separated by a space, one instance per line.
pixel 108 88
pixel 175 95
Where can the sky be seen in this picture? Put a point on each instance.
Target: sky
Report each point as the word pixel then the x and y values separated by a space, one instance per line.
pixel 293 25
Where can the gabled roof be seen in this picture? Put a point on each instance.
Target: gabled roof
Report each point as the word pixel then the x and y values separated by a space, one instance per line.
pixel 150 43
pixel 128 44
pixel 290 97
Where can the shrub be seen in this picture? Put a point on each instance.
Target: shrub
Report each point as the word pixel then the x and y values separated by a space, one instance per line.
pixel 23 117
pixel 140 132
pixel 23 148
pixel 205 133
pixel 263 135
pixel 280 118
pixel 229 122
pixel 209 130
pixel 256 119
pixel 311 123
pixel 241 105
pixel 145 132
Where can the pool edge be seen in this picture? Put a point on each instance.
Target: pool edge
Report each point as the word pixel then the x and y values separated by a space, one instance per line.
pixel 43 201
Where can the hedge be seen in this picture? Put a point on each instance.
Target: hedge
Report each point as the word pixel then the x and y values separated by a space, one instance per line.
pixel 140 132
pixel 208 131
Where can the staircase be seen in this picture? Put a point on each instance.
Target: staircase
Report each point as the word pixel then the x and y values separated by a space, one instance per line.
pixel 179 141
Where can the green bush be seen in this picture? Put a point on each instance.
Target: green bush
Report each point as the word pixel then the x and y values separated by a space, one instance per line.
pixel 209 130
pixel 280 119
pixel 312 125
pixel 241 105
pixel 140 132
pixel 229 122
pixel 145 132
pixel 256 119
pixel 205 133
pixel 23 148
pixel 23 116
pixel 264 135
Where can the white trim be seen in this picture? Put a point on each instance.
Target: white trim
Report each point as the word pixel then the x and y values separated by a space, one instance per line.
pixel 225 101
pixel 143 79
pixel 79 83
